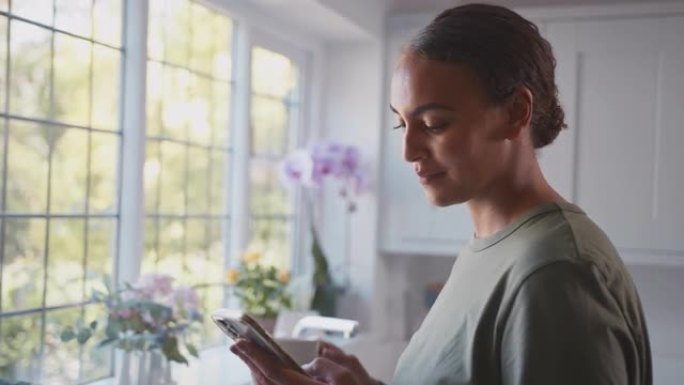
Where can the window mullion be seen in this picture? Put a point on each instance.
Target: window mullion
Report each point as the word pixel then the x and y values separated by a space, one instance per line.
pixel 133 140
pixel 239 204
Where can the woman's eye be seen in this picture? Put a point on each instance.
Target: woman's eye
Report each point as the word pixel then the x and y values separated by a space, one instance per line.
pixel 399 125
pixel 435 127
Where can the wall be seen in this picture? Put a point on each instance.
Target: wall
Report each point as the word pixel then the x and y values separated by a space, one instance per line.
pixel 354 89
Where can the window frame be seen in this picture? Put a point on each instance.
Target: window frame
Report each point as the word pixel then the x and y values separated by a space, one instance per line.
pixel 304 51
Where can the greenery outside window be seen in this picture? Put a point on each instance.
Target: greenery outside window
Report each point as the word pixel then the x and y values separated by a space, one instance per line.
pixel 60 65
pixel 273 126
pixel 188 151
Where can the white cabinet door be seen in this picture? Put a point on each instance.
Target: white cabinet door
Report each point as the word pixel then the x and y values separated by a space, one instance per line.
pixel 409 224
pixel 622 84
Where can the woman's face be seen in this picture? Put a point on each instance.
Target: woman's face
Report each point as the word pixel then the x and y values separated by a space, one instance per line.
pixel 454 137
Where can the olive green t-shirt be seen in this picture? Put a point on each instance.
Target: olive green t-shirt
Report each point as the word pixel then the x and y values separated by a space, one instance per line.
pixel 544 301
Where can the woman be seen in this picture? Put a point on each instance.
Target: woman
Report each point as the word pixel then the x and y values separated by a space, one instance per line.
pixel 539 296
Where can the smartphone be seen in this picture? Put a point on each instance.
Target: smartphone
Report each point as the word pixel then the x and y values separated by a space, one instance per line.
pixel 236 324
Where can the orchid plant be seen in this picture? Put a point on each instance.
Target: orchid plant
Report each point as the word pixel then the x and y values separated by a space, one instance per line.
pixel 309 167
pixel 149 315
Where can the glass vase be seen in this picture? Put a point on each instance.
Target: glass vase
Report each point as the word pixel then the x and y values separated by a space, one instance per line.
pixel 145 368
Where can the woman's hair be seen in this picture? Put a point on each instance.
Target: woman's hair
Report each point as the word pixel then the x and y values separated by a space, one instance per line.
pixel 505 51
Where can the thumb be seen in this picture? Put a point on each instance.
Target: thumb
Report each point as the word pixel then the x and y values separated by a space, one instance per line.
pixel 327 349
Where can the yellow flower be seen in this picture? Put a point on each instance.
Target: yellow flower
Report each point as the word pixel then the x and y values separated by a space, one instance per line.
pixel 251 257
pixel 284 276
pixel 232 276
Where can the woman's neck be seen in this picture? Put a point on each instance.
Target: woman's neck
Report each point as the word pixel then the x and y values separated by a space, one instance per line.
pixel 510 198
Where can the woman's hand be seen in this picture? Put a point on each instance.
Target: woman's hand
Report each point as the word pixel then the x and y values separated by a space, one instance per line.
pixel 265 369
pixel 349 362
pixel 332 367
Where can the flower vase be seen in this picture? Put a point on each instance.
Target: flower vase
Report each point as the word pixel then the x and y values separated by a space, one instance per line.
pixel 145 368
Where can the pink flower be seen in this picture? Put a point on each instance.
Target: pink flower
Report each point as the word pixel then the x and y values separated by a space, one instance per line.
pixel 125 313
pixel 183 298
pixel 311 166
pixel 154 285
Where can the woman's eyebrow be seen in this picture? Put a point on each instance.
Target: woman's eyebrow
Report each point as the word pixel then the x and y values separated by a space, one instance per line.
pixel 423 108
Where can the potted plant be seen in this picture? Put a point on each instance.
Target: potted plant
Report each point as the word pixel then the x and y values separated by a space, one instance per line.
pixel 149 319
pixel 261 289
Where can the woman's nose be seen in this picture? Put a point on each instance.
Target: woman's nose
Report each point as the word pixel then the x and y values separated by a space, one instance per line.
pixel 414 148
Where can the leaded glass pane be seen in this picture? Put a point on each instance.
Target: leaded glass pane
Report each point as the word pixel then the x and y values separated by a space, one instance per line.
pixel 23 267
pixel 177 31
pixel 267 195
pixel 4 30
pixel 273 74
pixel 173 178
pixel 69 170
pixel 104 165
pixel 155 96
pixel 108 21
pixel 152 173
pixel 198 180
pixel 74 16
pixel 176 106
pixel 199 130
pixel 30 68
pixel 101 253
pixel 61 361
pixel 65 278
pixel 27 167
pixel 40 11
pixel 106 85
pixel 20 348
pixel 269 123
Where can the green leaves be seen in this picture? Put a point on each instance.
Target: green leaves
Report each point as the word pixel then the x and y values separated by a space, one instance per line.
pixel 170 349
pixel 67 334
pixel 261 291
pixel 82 335
pixel 192 350
pixel 139 320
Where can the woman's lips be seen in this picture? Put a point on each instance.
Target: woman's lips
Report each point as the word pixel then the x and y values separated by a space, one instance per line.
pixel 426 178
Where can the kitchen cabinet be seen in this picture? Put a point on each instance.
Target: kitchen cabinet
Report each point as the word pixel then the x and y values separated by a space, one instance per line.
pixel 622 87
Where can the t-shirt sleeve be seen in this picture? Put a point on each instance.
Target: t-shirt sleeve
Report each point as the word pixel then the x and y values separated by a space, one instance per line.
pixel 564 327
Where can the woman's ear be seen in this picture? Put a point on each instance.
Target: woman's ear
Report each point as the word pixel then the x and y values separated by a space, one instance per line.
pixel 520 105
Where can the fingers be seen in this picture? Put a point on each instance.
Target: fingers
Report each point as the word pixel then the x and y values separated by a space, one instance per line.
pixel 258 362
pixel 328 349
pixel 329 372
pixel 347 361
pixel 337 355
pixel 266 370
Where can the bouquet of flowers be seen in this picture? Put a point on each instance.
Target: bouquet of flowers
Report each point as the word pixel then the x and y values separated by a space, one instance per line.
pixel 149 315
pixel 261 289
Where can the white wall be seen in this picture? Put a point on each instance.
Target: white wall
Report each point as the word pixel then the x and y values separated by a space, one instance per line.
pixel 353 94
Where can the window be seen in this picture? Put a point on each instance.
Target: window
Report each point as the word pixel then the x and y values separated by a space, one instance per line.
pixel 273 125
pixel 189 89
pixel 62 166
pixel 60 139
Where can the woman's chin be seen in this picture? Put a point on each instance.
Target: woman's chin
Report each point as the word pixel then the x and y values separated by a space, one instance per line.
pixel 442 199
